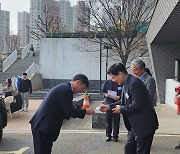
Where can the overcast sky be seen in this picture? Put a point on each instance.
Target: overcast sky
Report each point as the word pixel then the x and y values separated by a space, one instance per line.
pixel 15 6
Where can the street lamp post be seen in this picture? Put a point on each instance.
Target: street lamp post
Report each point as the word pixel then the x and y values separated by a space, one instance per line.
pixel 107 47
pixel 100 36
pixel 100 64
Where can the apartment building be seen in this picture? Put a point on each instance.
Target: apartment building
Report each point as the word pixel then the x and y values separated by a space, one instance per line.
pixel 4 30
pixel 23 28
pixel 66 14
pixel 37 8
pixel 80 13
pixel 61 9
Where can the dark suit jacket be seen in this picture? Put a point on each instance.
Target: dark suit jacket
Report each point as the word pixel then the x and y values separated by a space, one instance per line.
pixel 151 87
pixel 56 106
pixel 108 86
pixel 136 108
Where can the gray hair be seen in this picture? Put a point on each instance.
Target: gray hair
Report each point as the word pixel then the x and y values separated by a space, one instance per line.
pixel 138 63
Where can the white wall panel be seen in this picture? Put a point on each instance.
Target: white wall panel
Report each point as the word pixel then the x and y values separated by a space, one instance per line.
pixel 63 58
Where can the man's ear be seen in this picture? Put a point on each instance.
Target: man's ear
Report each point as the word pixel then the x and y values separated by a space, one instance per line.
pixel 78 82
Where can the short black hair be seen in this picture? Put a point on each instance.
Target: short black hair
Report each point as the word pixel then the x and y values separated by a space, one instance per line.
pixel 82 78
pixel 24 73
pixel 116 68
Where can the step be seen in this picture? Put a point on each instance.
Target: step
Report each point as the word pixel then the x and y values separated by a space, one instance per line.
pixel 41 94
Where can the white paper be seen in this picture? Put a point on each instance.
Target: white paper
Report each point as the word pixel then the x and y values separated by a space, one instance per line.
pixel 97 110
pixel 112 94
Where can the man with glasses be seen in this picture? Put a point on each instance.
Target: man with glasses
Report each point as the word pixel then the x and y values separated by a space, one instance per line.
pixel 138 113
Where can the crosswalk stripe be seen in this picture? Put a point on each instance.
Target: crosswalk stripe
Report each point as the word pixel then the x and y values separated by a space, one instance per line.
pixel 20 151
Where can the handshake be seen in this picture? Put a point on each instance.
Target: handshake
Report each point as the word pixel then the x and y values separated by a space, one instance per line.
pixel 104 108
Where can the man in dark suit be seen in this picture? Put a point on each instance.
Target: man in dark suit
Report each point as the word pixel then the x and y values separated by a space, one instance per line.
pixel 138 113
pixel 56 106
pixel 110 116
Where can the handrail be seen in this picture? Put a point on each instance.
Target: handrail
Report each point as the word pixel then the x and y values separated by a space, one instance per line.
pixel 9 60
pixel 34 68
pixel 25 51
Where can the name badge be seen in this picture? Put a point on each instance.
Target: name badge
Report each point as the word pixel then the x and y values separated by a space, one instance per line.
pixel 119 88
pixel 126 95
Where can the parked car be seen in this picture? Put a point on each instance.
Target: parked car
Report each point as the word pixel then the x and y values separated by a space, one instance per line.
pixel 3 117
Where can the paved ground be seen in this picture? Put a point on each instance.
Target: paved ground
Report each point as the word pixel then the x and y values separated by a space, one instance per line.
pixel 168 119
pixel 84 142
pixel 77 136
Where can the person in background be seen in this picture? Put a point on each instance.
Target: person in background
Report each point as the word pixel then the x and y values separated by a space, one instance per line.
pixel 19 78
pixel 110 116
pixel 8 89
pixel 138 69
pixel 25 90
pixel 9 93
pixel 57 106
pixel 138 112
pixel 32 50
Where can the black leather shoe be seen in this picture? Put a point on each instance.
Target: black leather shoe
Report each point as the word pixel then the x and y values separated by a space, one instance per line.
pixel 108 139
pixel 115 140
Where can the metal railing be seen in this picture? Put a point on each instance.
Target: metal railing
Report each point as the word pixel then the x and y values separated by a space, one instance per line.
pixel 34 68
pixel 25 51
pixel 9 60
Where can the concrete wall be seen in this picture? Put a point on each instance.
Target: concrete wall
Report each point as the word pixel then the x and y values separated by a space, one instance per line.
pixel 36 81
pixel 164 56
pixel 61 59
pixel 163 10
pixel 162 43
pixel 161 14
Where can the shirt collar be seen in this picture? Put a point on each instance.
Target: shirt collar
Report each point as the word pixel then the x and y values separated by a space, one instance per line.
pixel 142 76
pixel 71 86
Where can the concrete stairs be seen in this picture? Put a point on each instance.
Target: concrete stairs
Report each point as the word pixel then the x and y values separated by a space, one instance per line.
pixel 41 94
pixel 20 66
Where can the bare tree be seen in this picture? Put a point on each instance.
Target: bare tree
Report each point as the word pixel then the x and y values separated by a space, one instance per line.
pixel 123 24
pixel 47 24
pixel 12 42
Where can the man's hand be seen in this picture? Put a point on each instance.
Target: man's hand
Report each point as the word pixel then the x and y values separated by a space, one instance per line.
pixel 104 108
pixel 107 95
pixel 117 98
pixel 89 111
pixel 117 109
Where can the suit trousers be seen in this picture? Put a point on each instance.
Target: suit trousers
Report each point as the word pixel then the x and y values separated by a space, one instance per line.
pixel 42 145
pixel 135 145
pixel 109 122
